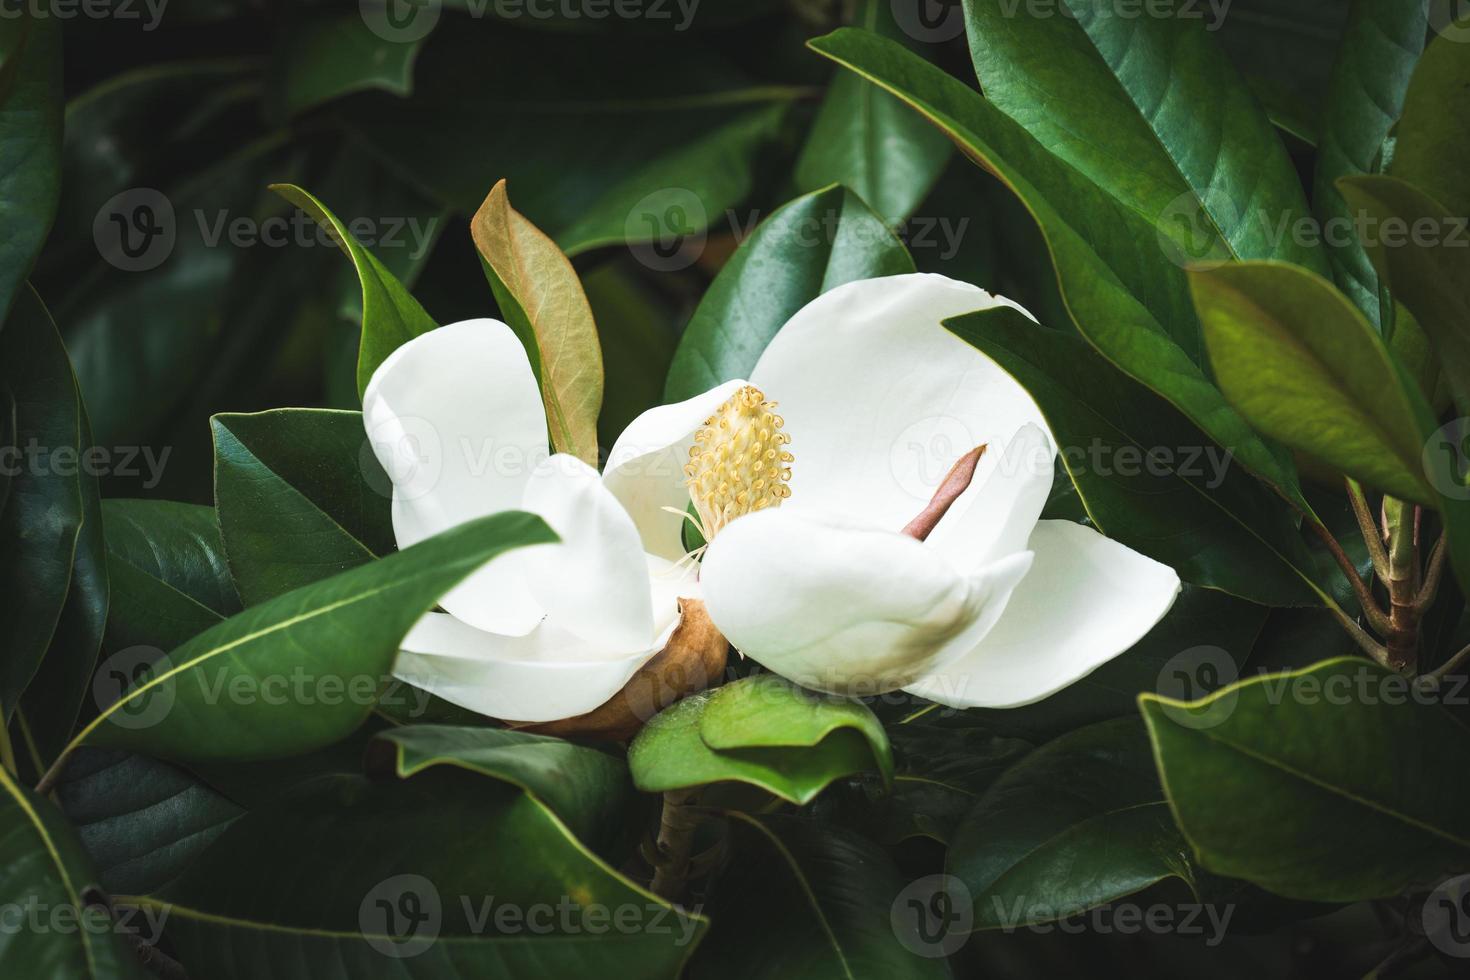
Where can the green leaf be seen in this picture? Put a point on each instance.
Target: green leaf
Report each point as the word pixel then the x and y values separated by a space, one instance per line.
pixel 300 497
pixel 1152 111
pixel 1146 475
pixel 1132 307
pixel 761 730
pixel 541 298
pixel 820 899
pixel 869 141
pixel 170 580
pixel 141 821
pixel 1078 823
pixel 450 879
pixel 390 316
pixel 586 788
pixel 302 670
pixel 1323 784
pixel 30 147
pixel 1429 275
pixel 1298 360
pixel 817 242
pixel 47 870
pixel 323 58
pixel 43 510
pixel 1432 138
pixel 1380 47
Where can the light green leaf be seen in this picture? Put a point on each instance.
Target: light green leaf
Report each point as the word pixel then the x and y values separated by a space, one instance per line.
pixel 1432 138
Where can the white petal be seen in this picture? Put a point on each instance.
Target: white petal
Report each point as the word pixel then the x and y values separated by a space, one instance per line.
pixel 995 518
pixel 1087 599
pixel 594 584
pixel 880 400
pixel 845 608
pixel 455 417
pixel 543 676
pixel 645 469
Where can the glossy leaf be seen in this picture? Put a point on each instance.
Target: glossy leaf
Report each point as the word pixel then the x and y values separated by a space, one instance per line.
pixel 1432 138
pixel 585 787
pixel 46 870
pixel 141 821
pixel 349 879
pixel 43 509
pixel 300 497
pixel 30 146
pixel 1146 475
pixel 1129 305
pixel 541 298
pixel 1340 764
pixel 1078 823
pixel 1380 47
pixel 390 316
pixel 1299 360
pixel 323 58
pixel 761 730
pixel 818 241
pixel 820 899
pixel 1153 112
pixel 869 141
pixel 302 670
pixel 1429 275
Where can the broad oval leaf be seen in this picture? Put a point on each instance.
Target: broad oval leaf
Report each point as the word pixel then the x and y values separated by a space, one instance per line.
pixel 390 315
pixel 1078 823
pixel 1432 138
pixel 541 298
pixel 1298 360
pixel 302 670
pixel 300 497
pixel 806 247
pixel 447 878
pixel 46 870
pixel 760 730
pixel 1341 766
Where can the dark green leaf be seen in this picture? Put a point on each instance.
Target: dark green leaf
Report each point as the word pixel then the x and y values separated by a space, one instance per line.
pixel 1323 784
pixel 806 247
pixel 326 57
pixel 30 146
pixel 300 497
pixel 1432 138
pixel 300 671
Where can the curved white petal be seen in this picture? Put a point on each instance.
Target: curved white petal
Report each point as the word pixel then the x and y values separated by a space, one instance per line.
pixel 455 417
pixel 880 400
pixel 645 469
pixel 845 608
pixel 1087 599
pixel 594 583
pixel 995 518
pixel 546 675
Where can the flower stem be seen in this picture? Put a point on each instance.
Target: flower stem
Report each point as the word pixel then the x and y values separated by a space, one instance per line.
pixel 1403 615
pixel 675 843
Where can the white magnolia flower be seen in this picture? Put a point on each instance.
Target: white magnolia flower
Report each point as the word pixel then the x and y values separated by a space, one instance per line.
pixel 809 570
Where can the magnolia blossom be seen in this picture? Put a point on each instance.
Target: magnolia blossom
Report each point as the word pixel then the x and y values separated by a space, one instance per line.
pixel 804 479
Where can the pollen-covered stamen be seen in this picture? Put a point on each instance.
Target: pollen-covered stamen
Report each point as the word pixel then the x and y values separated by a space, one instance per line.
pixel 738 463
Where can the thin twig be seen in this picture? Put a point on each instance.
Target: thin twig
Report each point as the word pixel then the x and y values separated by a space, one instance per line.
pixel 1370 646
pixel 53 775
pixel 1371 535
pixel 1438 673
pixel 1377 618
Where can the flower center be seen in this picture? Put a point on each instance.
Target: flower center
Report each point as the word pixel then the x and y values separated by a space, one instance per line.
pixel 738 463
